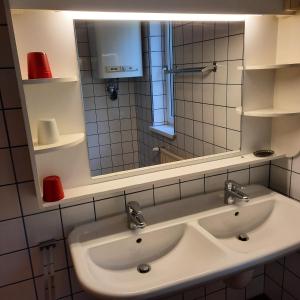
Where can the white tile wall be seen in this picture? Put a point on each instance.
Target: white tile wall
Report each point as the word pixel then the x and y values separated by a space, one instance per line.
pixel 108 123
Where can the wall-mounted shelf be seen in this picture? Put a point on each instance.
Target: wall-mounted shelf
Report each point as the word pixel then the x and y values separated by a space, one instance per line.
pixel 118 185
pixel 270 113
pixel 49 80
pixel 65 141
pixel 269 67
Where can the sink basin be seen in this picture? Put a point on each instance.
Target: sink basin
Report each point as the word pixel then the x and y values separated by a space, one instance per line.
pixel 264 224
pixel 167 250
pixel 136 249
pixel 251 221
pixel 196 245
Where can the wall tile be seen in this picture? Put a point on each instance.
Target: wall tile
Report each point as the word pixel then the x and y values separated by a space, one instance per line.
pixel 109 207
pixel 236 294
pixel 193 187
pixel 6 59
pixel 220 295
pixel 295 188
pixel 214 286
pixel 43 226
pixel 6 170
pixel 23 290
pixel 292 262
pixel 280 179
pixel 3 135
pixel 296 164
pixel 22 163
pixel 194 294
pixel 242 177
pixel 144 198
pixel 2 13
pixel 255 287
pixel 14 267
pixel 272 290
pixel 291 284
pixel 12 242
pixel 234 97
pixel 83 296
pixel 167 193
pixel 235 48
pixel 234 74
pixel 275 271
pixel 9 89
pixel 16 130
pixel 221 46
pixel 77 215
pixel 286 296
pixel 9 202
pixel 214 183
pixel 260 175
pixel 285 163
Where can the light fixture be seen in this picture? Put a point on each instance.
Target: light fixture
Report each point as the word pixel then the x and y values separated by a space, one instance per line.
pixel 132 16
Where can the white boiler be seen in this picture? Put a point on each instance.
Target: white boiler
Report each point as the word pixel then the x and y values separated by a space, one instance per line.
pixel 118 49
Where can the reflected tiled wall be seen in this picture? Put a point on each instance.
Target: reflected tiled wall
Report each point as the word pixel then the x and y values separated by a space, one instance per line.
pixel 206 121
pixel 110 125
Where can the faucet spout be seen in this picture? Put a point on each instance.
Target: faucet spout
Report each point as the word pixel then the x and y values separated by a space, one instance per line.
pixel 234 191
pixel 135 216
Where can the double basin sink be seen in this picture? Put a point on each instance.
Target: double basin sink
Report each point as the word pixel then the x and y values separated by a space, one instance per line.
pixel 186 242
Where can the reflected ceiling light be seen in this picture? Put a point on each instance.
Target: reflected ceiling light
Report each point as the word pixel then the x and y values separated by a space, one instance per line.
pixel 132 16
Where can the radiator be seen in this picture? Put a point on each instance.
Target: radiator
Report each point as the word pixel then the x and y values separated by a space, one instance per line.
pixel 166 156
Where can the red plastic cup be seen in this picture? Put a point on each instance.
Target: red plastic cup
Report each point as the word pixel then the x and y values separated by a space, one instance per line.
pixel 38 65
pixel 52 189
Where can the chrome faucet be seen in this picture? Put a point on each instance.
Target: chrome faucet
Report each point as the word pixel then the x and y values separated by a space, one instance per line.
pixel 135 216
pixel 233 191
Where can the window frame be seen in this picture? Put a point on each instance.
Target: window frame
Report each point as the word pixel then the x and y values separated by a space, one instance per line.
pixel 169 77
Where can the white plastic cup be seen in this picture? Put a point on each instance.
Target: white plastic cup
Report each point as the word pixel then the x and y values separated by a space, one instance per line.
pixel 47 132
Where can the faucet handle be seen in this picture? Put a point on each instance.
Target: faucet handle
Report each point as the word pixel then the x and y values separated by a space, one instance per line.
pixel 133 207
pixel 232 185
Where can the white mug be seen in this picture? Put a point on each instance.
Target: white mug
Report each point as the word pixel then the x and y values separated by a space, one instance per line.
pixel 47 131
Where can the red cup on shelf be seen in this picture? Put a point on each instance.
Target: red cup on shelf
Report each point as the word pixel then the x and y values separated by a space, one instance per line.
pixel 38 65
pixel 52 189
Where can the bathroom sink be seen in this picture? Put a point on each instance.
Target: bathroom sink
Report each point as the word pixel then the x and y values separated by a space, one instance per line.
pixel 260 224
pixel 113 262
pixel 137 264
pixel 136 249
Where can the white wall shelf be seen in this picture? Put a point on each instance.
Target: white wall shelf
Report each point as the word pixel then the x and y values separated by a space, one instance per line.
pixel 107 187
pixel 49 80
pixel 65 141
pixel 272 81
pixel 269 67
pixel 270 113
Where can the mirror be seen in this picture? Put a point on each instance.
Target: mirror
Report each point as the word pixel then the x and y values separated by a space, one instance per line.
pixel 157 92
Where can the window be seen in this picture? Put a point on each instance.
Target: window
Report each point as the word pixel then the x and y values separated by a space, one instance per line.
pixel 161 61
pixel 168 33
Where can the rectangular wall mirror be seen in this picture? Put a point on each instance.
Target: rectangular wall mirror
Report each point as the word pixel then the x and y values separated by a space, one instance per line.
pixel 156 92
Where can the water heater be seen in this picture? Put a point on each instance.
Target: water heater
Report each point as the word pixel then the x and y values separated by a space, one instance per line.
pixel 118 49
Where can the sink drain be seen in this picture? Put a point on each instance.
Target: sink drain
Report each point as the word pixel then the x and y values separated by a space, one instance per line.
pixel 243 237
pixel 143 268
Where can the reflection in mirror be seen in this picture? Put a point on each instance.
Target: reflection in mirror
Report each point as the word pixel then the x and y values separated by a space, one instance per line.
pixel 157 92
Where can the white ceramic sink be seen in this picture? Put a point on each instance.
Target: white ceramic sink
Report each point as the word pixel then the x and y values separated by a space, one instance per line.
pixel 268 224
pixel 185 243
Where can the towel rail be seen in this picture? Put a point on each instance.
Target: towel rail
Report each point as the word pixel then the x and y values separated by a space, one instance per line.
pixel 210 67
